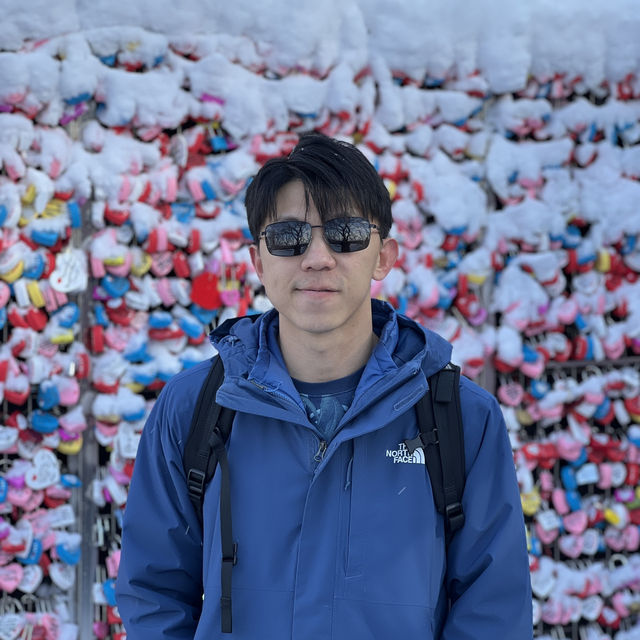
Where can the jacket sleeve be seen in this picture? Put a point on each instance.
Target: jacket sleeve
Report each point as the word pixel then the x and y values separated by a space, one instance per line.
pixel 487 575
pixel 158 589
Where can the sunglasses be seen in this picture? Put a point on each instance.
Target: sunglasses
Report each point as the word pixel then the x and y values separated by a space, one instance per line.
pixel 292 237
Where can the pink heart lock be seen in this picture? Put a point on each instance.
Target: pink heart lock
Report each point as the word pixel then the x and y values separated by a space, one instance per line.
pixel 69 391
pixel 568 447
pixel 631 537
pixel 51 624
pixel 571 545
pixel 5 294
pixel 606 472
pixel 511 394
pixel 551 612
pixel 575 522
pixel 613 539
pixel 162 264
pixel 10 577
pixel 546 536
pixel 533 369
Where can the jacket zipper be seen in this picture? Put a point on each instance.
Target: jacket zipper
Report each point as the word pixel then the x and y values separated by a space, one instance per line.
pixel 322 447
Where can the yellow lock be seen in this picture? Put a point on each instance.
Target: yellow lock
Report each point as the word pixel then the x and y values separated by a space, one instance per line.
pixel 115 261
pixel 531 502
pixel 35 294
pixel 603 261
pixel 13 274
pixel 524 417
pixel 476 278
pixel 141 264
pixel 391 188
pixel 29 195
pixel 70 447
pixel 63 337
pixel 611 517
pixel 54 208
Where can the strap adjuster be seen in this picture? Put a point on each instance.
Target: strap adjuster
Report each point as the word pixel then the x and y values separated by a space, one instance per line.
pixel 195 483
pixel 233 559
pixel 455 516
pixel 431 438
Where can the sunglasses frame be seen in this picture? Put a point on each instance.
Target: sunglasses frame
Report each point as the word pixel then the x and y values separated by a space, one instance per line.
pixel 304 226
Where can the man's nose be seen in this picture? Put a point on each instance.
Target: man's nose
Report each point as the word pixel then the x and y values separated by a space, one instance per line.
pixel 318 254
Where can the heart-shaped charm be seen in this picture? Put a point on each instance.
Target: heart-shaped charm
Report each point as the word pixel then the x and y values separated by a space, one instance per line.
pixel 63 575
pixel 45 470
pixel 51 624
pixel 8 437
pixel 19 496
pixel 11 626
pixel 511 394
pixel 571 545
pixel 31 578
pixel 575 522
pixel 10 577
pixel 70 274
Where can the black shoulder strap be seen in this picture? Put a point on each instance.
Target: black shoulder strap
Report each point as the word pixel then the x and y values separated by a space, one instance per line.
pixel 197 452
pixel 204 450
pixel 442 439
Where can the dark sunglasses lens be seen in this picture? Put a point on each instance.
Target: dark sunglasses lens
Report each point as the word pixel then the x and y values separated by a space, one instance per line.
pixel 345 235
pixel 287 238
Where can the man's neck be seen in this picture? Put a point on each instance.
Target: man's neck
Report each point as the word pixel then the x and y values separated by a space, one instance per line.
pixel 326 357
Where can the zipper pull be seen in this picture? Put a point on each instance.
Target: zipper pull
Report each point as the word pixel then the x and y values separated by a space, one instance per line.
pixel 320 452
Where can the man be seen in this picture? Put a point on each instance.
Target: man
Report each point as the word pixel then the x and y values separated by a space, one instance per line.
pixel 335 540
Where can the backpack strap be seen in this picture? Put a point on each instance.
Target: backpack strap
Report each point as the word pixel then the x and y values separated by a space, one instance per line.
pixel 204 450
pixel 197 458
pixel 442 439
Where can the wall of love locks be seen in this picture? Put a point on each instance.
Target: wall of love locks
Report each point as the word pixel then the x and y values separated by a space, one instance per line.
pixel 123 239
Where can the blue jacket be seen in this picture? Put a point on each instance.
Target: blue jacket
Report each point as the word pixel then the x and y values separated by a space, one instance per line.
pixel 345 545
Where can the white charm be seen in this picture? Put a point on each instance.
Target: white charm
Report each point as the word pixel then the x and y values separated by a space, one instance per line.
pixel 70 274
pixel 31 578
pixel 63 575
pixel 45 470
pixel 11 625
pixel 8 437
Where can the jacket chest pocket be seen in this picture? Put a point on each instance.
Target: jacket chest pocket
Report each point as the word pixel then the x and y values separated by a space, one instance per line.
pixel 394 538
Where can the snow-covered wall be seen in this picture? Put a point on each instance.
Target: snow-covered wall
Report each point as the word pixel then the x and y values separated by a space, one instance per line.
pixel 508 135
pixel 504 40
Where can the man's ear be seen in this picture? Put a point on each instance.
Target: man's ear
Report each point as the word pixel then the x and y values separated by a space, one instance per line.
pixel 386 258
pixel 256 260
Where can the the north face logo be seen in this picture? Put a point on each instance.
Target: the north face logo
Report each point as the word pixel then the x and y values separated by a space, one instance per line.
pixel 401 454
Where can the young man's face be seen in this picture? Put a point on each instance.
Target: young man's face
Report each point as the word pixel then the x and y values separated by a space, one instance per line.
pixel 320 291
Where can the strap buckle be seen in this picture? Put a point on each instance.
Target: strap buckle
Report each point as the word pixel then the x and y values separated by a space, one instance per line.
pixel 422 440
pixel 234 558
pixel 455 516
pixel 195 483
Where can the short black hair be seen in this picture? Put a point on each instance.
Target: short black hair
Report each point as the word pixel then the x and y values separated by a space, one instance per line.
pixel 336 176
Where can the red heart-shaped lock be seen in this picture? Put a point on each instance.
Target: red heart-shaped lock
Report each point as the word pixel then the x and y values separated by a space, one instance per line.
pixel 204 291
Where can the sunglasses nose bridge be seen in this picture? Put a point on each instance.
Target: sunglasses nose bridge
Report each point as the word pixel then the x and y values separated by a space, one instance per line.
pixel 318 247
